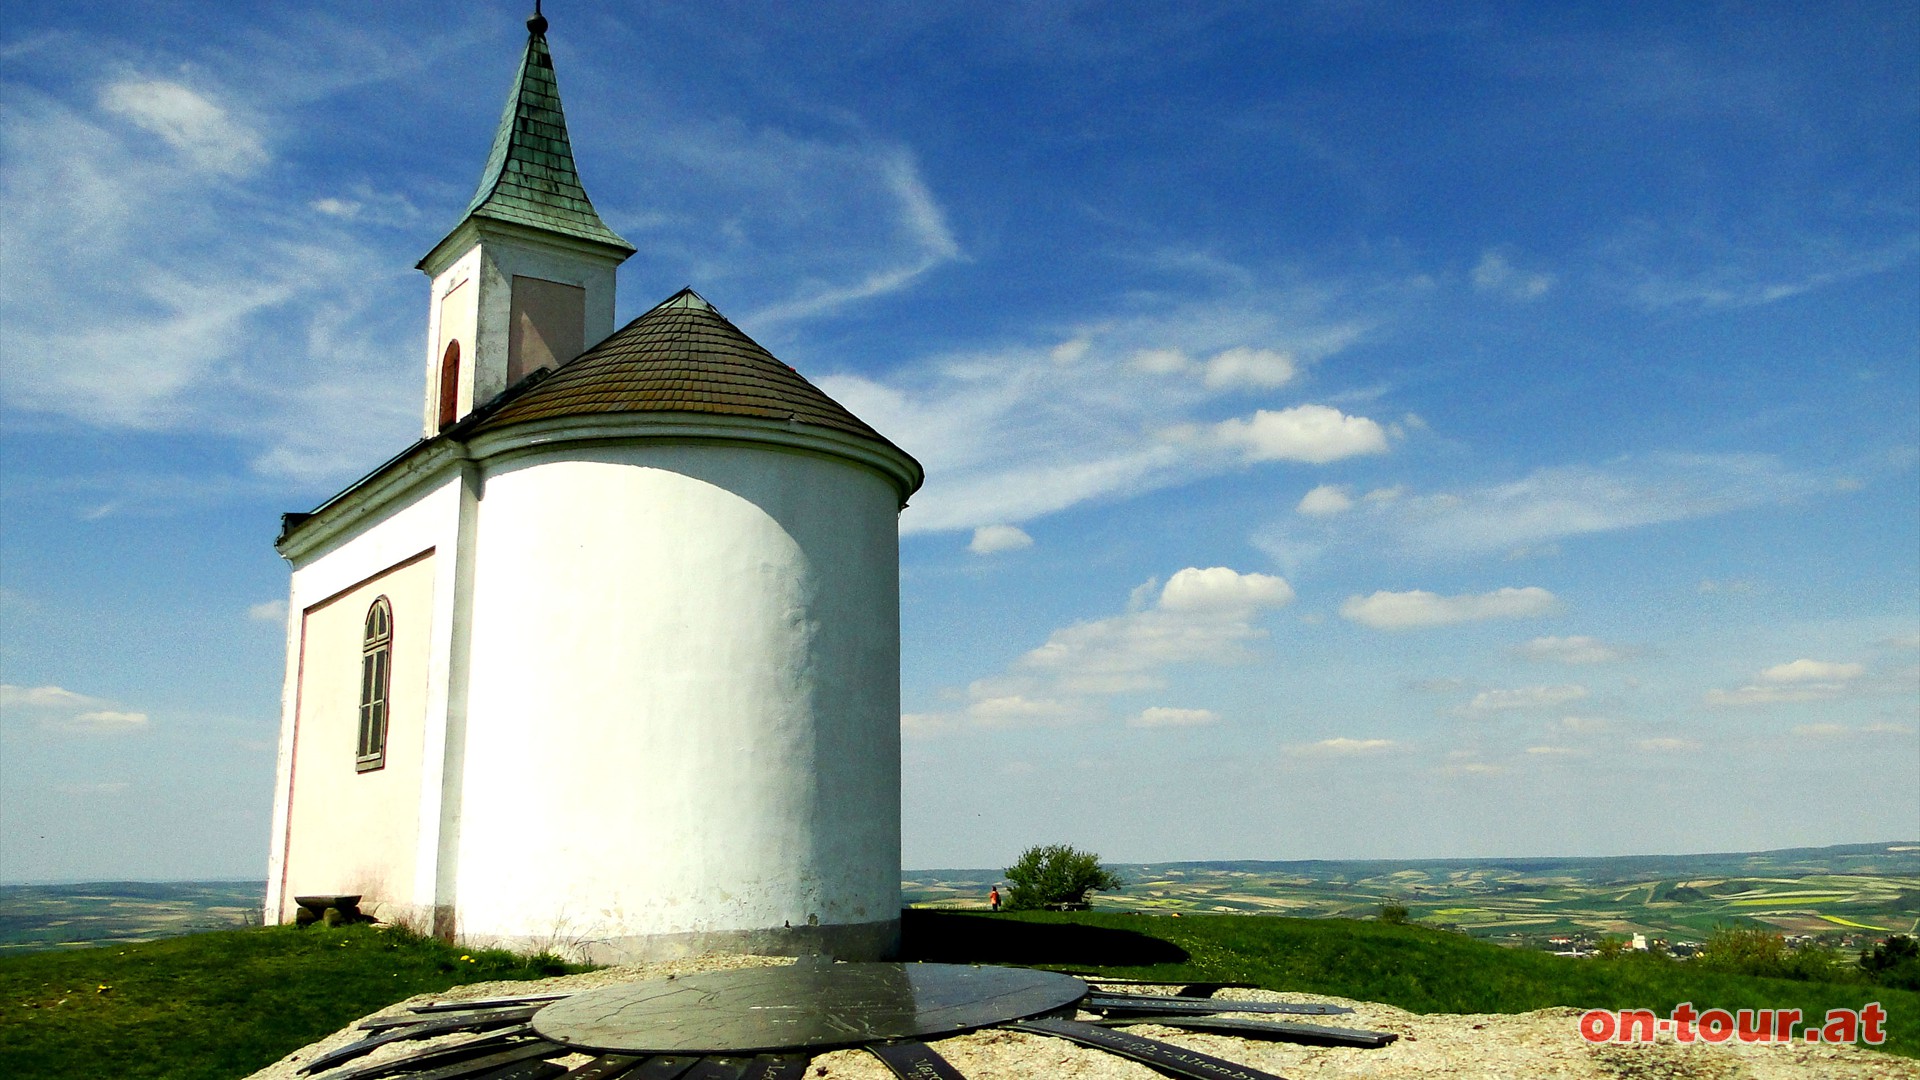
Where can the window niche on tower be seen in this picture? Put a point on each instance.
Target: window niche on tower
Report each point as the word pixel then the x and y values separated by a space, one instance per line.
pixel 549 326
pixel 376 663
pixel 450 385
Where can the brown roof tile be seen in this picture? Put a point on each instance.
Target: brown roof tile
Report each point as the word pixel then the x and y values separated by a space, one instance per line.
pixel 683 356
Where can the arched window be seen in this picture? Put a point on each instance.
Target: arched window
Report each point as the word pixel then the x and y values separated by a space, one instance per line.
pixel 449 384
pixel 376 657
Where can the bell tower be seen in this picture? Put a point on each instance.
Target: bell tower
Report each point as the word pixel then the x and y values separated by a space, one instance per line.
pixel 525 281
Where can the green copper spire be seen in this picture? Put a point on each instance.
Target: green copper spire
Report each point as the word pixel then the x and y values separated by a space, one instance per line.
pixel 530 179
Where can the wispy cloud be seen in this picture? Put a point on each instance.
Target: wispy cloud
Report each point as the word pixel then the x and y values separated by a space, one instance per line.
pixel 1418 608
pixel 1343 746
pixel 1162 716
pixel 154 257
pixel 59 709
pixel 1570 650
pixel 1496 275
pixel 1553 503
pixel 1522 699
pixel 1013 434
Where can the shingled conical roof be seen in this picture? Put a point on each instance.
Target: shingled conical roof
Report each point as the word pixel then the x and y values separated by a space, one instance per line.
pixel 683 356
pixel 530 177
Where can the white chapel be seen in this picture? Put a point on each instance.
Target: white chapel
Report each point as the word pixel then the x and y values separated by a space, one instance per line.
pixel 609 658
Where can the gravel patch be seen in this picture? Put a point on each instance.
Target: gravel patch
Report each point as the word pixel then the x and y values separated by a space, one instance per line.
pixel 1541 1045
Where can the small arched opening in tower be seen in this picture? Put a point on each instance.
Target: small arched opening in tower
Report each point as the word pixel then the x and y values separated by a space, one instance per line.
pixel 449 384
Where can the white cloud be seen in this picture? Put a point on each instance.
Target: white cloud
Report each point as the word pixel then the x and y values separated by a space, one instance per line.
pixel 1667 744
pixel 1218 589
pixel 1013 433
pixel 191 122
pixel 45 697
pixel 1570 650
pixel 1555 751
pixel 989 539
pixel 1201 616
pixel 920 238
pixel 1494 274
pixel 1315 434
pixel 1585 725
pixel 1343 746
pixel 1159 716
pixel 1819 671
pixel 1264 369
pixel 1325 501
pixel 1556 503
pixel 1523 698
pixel 1797 680
pixel 102 721
pixel 1419 608
pixel 1014 709
pixel 147 273
pixel 60 709
pixel 268 611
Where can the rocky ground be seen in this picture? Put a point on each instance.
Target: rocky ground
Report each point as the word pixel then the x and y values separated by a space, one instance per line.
pixel 1542 1045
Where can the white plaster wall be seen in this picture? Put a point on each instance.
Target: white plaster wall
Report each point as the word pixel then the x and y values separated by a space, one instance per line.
pixel 490 266
pixel 425 519
pixel 684 698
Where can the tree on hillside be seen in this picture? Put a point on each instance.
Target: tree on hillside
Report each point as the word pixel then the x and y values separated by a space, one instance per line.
pixel 1056 876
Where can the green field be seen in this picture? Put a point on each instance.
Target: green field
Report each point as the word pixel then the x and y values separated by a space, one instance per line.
pixel 1844 896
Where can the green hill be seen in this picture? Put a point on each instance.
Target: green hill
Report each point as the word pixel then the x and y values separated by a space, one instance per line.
pixel 221 1004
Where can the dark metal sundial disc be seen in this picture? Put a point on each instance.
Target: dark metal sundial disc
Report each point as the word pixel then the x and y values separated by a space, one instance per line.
pixel 806 1005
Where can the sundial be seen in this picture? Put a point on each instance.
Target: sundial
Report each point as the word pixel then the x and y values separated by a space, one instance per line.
pixel 767 1023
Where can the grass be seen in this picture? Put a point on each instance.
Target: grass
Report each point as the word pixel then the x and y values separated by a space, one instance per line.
pixel 1416 968
pixel 223 1004
pixel 220 1004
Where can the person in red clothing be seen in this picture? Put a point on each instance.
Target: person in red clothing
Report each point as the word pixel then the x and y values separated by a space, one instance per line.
pixel 993 898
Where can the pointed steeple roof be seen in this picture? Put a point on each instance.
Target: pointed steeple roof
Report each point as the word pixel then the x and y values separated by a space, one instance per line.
pixel 530 178
pixel 683 356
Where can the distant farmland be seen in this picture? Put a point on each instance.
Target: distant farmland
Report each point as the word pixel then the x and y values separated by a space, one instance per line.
pixel 1842 893
pixel 1845 895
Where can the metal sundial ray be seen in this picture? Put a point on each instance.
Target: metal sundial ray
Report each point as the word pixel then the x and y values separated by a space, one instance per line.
pixel 766 1024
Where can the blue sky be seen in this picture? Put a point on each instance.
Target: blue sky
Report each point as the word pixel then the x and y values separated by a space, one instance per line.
pixel 1352 432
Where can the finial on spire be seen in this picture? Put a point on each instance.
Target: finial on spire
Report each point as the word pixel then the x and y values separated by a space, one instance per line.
pixel 536 22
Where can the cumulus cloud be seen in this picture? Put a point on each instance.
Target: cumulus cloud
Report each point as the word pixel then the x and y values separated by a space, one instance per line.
pixel 1570 650
pixel 1325 501
pixel 1419 608
pixel 1812 671
pixel 1796 680
pixel 1159 716
pixel 1344 746
pixel 1315 434
pixel 1119 408
pixel 1201 616
pixel 990 539
pixel 1524 698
